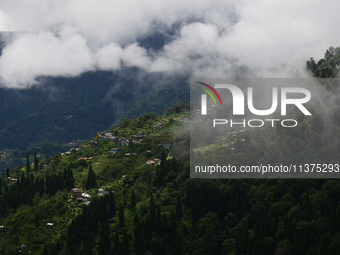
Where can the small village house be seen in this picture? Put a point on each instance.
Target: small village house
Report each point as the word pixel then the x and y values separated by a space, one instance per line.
pixel 76 193
pixel 150 162
pixel 80 200
pixel 49 225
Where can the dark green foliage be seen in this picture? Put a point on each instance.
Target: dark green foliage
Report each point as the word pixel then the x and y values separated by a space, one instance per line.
pixel 91 181
pixel 88 249
pixel 197 203
pixel 117 247
pixel 112 205
pixel 327 66
pixel 28 168
pixel 45 250
pixel 121 217
pixel 87 241
pixel 36 161
pixel 179 212
pixel 152 209
pixel 125 245
pixel 158 222
pixel 177 248
pixel 133 199
pixel 137 228
pixel 105 243
pixel 180 215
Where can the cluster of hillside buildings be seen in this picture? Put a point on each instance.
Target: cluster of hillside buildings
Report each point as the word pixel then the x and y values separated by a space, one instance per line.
pixel 79 196
pixel 153 162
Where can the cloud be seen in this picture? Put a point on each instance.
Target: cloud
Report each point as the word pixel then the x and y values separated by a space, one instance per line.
pixel 43 54
pixel 69 37
pixel 108 58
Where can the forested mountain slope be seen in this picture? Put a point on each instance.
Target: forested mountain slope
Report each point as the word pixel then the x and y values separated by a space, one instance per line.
pixel 158 209
pixel 67 109
pixel 151 208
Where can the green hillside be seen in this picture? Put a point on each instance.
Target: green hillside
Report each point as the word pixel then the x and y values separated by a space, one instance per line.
pixel 66 110
pixel 156 208
pixel 139 197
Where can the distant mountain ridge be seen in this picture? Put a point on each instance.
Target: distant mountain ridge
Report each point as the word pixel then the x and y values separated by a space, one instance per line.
pixel 67 109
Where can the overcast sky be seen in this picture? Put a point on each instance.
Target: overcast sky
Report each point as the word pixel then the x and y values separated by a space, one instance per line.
pixel 209 38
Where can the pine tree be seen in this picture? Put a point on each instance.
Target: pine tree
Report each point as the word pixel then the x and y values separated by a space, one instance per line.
pixel 133 199
pixel 142 244
pixel 104 244
pixel 158 221
pixel 152 209
pixel 163 159
pixel 27 167
pixel 159 180
pixel 116 245
pixel 172 221
pixel 112 205
pixel 104 214
pixel 238 205
pixel 130 143
pixel 174 165
pixel 293 190
pixel 91 181
pixel 126 245
pixel 36 161
pixel 177 248
pixel 137 227
pixel 148 228
pixel 69 179
pixel 179 212
pixel 71 246
pixel 165 226
pixel 244 240
pixel 36 199
pixel 88 249
pixel 121 217
pixel 246 207
pixel 197 203
pixel 45 250
pixel 87 240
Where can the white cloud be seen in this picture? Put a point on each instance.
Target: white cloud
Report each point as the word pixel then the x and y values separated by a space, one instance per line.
pixel 36 54
pixel 134 55
pixel 68 37
pixel 108 58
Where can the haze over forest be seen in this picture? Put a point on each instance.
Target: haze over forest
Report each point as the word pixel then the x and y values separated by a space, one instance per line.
pixel 72 68
pixel 104 57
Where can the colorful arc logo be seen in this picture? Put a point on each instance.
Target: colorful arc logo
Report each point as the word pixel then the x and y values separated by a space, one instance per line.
pixel 204 97
pixel 213 90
